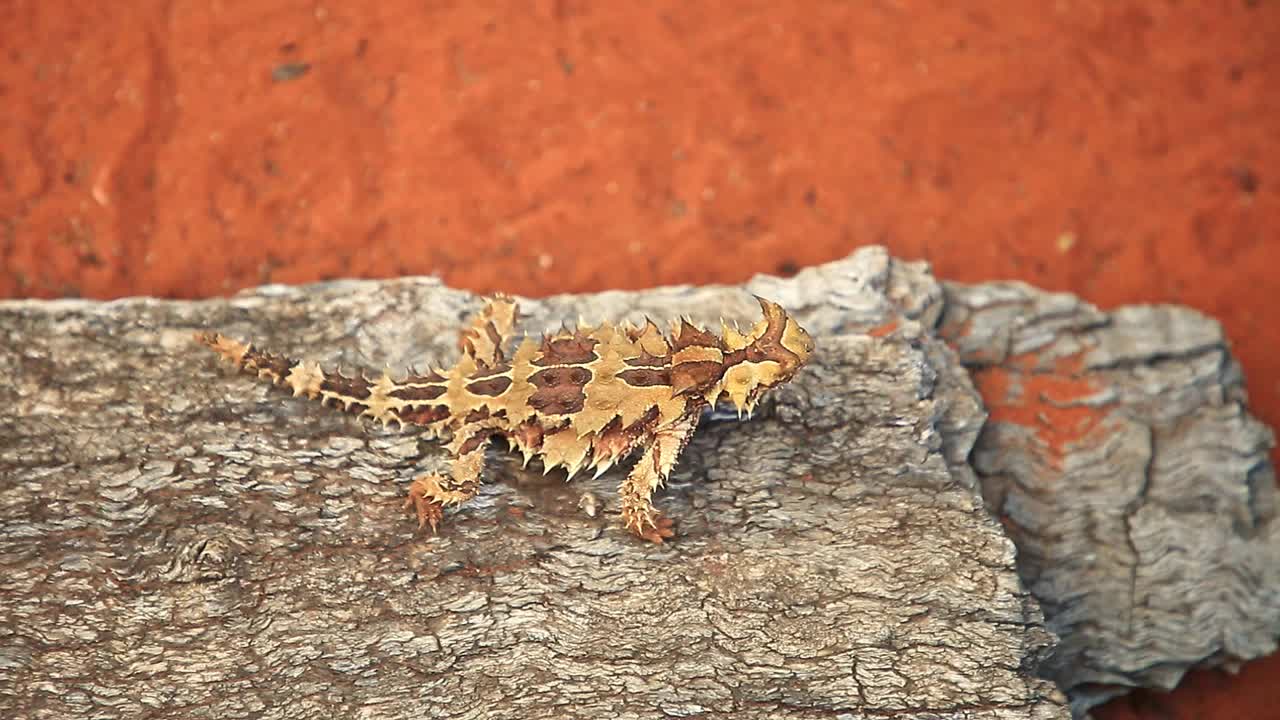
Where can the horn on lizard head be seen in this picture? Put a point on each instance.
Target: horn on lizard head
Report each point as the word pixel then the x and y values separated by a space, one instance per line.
pixel 775 320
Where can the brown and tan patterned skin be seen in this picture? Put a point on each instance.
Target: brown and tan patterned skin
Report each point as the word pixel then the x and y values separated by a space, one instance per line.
pixel 581 399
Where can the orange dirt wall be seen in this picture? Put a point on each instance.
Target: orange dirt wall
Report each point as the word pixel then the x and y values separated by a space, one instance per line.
pixel 1125 151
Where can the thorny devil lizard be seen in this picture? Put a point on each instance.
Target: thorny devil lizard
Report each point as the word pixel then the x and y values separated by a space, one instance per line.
pixel 583 398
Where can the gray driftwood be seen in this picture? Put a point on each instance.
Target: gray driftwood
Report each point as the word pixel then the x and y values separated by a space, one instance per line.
pixel 1150 538
pixel 179 541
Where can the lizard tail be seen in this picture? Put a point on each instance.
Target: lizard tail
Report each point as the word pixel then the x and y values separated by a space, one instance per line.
pixel 302 377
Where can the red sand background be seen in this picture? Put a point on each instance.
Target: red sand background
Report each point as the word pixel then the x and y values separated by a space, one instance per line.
pixel 1125 151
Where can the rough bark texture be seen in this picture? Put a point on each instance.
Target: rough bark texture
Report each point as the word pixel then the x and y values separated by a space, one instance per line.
pixel 181 542
pixel 1122 460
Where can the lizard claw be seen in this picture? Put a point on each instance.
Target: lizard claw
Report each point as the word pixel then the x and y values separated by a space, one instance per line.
pixel 428 510
pixel 650 525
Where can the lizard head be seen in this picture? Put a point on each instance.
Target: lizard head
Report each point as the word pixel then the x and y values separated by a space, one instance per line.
pixel 740 367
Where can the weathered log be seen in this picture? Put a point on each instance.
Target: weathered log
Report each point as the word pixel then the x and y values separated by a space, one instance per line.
pixel 179 541
pixel 1121 458
pixel 226 551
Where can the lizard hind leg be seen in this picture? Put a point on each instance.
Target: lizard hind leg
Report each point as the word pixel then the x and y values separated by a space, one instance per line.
pixel 430 494
pixel 490 330
pixel 660 455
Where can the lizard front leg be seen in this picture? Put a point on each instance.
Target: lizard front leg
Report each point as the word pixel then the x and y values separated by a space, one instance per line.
pixel 430 494
pixel 661 452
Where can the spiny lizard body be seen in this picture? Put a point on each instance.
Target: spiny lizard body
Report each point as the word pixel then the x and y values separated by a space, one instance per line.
pixel 581 399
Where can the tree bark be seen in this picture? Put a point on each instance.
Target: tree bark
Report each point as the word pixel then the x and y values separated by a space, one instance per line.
pixel 184 542
pixel 1122 460
pixel 179 541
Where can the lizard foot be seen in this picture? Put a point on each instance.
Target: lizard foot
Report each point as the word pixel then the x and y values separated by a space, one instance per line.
pixel 649 524
pixel 428 509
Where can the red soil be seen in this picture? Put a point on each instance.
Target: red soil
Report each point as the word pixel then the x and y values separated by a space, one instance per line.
pixel 1125 151
pixel 1042 401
